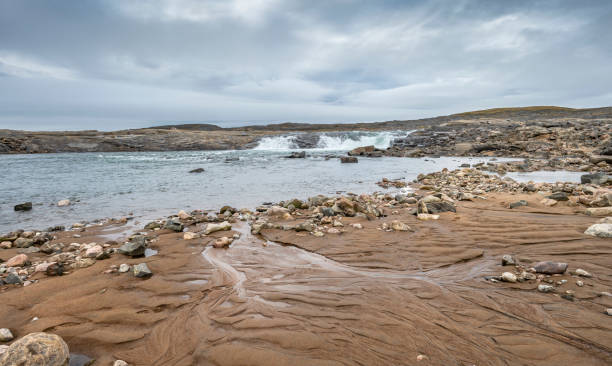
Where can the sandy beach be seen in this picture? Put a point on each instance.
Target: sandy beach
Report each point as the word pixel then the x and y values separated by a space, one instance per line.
pixel 355 289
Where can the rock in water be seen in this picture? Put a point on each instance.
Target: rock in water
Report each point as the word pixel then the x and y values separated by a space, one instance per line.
pixel 142 271
pixel 6 335
pixel 550 267
pixel 135 247
pixel 297 155
pixel 37 349
pixel 63 203
pixel 600 230
pixel 197 170
pixel 348 160
pixel 26 206
pixel 211 228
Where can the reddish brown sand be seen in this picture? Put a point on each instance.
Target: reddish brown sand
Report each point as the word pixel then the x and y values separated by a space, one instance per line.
pixel 364 297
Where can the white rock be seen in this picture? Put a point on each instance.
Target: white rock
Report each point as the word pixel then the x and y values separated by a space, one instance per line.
pixel 120 363
pixel 426 217
pixel 63 203
pixel 190 235
pixel 400 226
pixel 582 272
pixel 94 251
pixel 333 231
pixel 545 288
pixel 508 277
pixel 183 215
pixel 609 311
pixel 357 226
pixel 600 230
pixel 124 268
pixel 548 202
pixel 6 335
pixel 211 228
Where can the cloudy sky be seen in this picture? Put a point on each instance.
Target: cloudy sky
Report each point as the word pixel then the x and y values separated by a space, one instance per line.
pixel 104 64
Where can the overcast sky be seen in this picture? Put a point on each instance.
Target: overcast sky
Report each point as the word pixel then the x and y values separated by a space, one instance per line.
pixel 87 64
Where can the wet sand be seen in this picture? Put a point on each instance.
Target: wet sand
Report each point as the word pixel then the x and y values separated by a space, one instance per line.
pixel 363 297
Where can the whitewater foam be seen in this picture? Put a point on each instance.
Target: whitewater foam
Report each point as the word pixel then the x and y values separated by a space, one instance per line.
pixel 335 141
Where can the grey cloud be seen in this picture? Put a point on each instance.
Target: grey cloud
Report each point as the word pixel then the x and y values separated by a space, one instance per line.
pixel 115 64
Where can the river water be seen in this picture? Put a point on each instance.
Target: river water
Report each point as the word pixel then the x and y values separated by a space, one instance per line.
pixel 153 184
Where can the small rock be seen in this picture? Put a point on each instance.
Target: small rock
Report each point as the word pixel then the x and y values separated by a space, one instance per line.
pixel 508 260
pixel 55 269
pixel 6 245
pixel 26 206
pixel 599 211
pixel 558 196
pixel 142 271
pixel 548 202
pixel 579 283
pixel 6 335
pixel 19 260
pixel 120 363
pixel 63 203
pixel 545 288
pixel 37 349
pixel 348 160
pixel 222 242
pixel 581 272
pixel 190 235
pixel 211 228
pixel 357 226
pixel 183 215
pixel 197 170
pixel 550 267
pixel 135 247
pixel 426 217
pixel 124 268
pixel 508 277
pixel 400 226
pixel 94 251
pixel 13 279
pixel 608 311
pixel 174 225
pixel 518 204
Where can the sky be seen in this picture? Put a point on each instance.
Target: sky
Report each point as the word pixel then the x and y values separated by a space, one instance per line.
pixel 114 64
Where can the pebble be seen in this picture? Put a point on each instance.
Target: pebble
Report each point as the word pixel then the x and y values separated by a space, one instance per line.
pixel 581 272
pixel 6 335
pixel 579 283
pixel 546 288
pixel 508 260
pixel 190 235
pixel 508 277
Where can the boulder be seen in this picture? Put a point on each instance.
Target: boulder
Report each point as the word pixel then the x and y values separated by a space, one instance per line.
pixel 364 150
pixel 13 279
pixel 26 206
pixel 37 349
pixel 211 228
pixel 600 230
pixel 558 196
pixel 550 267
pixel 23 243
pixel 142 271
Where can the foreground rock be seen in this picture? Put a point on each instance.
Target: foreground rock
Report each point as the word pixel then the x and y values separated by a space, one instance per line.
pixel 37 349
pixel 142 271
pixel 135 247
pixel 550 267
pixel 6 335
pixel 600 230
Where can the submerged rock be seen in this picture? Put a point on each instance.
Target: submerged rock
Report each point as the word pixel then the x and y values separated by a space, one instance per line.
pixel 197 170
pixel 26 206
pixel 63 203
pixel 37 349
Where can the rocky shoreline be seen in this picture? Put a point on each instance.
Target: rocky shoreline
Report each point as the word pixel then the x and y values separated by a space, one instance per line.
pixel 554 238
pixel 534 131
